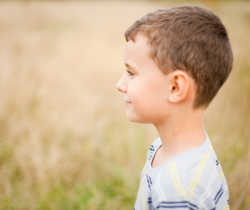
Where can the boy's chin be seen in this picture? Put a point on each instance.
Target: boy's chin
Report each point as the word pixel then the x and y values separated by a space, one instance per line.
pixel 135 118
pixel 132 117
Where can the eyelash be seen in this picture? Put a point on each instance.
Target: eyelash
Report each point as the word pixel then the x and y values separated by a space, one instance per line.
pixel 130 73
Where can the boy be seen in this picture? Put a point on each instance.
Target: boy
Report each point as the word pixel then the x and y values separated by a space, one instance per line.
pixel 176 61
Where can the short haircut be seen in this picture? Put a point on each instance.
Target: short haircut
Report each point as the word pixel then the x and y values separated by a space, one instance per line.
pixel 192 39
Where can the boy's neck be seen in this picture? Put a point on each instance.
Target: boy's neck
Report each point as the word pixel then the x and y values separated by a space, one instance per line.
pixel 179 134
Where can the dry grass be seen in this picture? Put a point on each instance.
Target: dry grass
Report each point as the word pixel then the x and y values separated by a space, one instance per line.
pixel 65 142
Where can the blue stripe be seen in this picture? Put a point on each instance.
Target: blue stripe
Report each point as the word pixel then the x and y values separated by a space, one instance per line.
pixel 172 207
pixel 178 202
pixel 219 197
pixel 218 193
pixel 167 205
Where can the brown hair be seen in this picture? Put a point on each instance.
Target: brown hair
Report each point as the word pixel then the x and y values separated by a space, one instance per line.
pixel 192 39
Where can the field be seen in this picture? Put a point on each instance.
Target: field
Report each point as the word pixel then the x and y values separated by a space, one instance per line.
pixel 65 141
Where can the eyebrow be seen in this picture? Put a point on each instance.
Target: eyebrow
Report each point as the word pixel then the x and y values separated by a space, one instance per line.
pixel 129 66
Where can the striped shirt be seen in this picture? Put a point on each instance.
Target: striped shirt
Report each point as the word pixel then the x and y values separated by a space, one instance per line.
pixel 191 180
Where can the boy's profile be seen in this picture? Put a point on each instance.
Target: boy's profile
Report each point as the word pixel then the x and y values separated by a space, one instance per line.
pixel 176 61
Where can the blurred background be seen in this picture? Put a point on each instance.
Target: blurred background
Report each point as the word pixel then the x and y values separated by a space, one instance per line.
pixel 65 141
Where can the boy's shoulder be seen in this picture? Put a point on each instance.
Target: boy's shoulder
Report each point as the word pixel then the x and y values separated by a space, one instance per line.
pixel 193 178
pixel 185 159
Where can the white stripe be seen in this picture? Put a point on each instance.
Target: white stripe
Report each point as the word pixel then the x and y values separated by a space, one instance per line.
pixel 225 188
pixel 157 188
pixel 163 196
pixel 208 190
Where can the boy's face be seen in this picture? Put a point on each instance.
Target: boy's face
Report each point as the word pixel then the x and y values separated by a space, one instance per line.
pixel 144 85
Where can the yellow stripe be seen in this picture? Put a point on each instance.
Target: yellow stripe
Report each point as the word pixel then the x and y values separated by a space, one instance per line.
pixel 200 172
pixel 221 174
pixel 172 175
pixel 142 196
pixel 197 170
pixel 178 180
pixel 144 169
pixel 203 164
pixel 226 207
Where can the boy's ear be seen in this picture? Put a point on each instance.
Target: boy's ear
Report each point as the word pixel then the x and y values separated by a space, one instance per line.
pixel 179 86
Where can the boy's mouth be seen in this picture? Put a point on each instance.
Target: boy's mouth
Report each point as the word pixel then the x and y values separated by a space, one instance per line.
pixel 127 102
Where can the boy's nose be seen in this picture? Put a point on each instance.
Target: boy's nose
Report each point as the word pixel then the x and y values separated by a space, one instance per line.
pixel 121 86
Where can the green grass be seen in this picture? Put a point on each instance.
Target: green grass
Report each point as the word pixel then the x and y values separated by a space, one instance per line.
pixel 110 194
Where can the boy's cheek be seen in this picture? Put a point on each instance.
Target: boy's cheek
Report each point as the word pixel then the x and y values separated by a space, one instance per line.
pixel 133 92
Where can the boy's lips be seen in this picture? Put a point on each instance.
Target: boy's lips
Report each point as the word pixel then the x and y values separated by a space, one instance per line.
pixel 127 102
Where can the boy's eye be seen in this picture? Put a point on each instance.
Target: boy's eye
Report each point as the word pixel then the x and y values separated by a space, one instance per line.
pixel 130 72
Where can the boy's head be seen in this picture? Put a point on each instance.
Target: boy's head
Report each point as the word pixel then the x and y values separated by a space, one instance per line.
pixel 190 39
